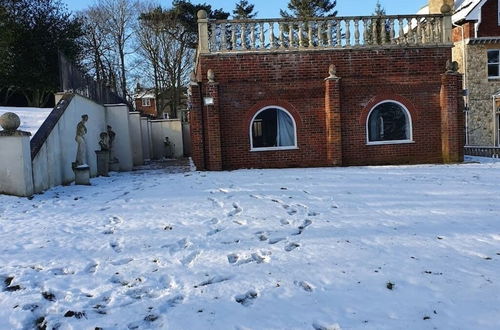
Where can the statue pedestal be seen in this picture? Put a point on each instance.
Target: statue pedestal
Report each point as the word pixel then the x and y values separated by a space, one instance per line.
pixel 82 175
pixel 114 165
pixel 102 162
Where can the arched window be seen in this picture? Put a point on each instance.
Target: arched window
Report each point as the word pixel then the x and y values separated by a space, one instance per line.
pixel 273 128
pixel 389 122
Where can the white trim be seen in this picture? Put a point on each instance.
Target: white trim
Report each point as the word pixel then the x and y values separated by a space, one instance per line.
pixel 274 148
pixel 496 63
pixel 375 143
pixel 295 146
pixel 408 117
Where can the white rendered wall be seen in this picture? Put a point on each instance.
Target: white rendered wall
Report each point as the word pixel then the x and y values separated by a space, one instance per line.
pixel 145 138
pixel 15 166
pixel 117 116
pixel 136 137
pixel 171 128
pixel 52 164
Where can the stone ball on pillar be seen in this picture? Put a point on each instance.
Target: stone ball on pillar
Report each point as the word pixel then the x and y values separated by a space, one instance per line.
pixel 445 9
pixel 202 14
pixel 9 121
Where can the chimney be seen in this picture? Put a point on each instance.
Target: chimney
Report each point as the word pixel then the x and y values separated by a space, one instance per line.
pixel 435 5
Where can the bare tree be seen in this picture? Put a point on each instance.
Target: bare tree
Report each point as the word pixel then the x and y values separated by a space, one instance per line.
pixel 119 21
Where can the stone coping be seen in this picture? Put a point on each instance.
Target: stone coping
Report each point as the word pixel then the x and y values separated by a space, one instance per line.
pixel 48 125
pixel 14 133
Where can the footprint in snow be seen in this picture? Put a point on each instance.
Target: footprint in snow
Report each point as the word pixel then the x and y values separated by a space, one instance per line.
pixel 322 326
pixel 235 211
pixel 216 202
pixel 171 303
pixel 91 267
pixel 180 245
pixel 304 285
pixel 247 298
pixel 214 231
pixel 291 246
pixel 261 257
pixel 232 258
pixel 115 220
pixel 213 280
pixel 189 259
pixel 116 245
pixel 122 261
pixel 276 240
pixel 302 227
pixel 109 231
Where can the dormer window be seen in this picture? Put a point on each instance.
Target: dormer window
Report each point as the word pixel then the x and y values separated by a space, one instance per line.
pixel 146 102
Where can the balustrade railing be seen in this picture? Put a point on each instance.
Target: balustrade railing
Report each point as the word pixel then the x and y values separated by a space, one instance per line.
pixel 220 36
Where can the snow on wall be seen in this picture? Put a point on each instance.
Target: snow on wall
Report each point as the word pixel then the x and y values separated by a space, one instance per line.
pixel 31 118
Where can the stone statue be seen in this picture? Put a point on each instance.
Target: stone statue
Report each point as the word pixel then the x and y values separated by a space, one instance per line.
pixel 104 141
pixel 111 139
pixel 111 136
pixel 81 152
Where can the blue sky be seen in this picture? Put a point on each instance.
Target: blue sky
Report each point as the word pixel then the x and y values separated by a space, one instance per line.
pixel 271 8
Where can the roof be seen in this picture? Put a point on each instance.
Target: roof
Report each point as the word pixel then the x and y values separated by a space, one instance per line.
pixel 145 94
pixel 468 10
pixel 465 10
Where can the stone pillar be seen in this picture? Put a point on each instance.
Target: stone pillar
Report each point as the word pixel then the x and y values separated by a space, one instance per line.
pixel 117 117
pixel 136 137
pixel 333 119
pixel 102 162
pixel 202 32
pixel 146 139
pixel 196 122
pixel 16 172
pixel 213 139
pixel 452 117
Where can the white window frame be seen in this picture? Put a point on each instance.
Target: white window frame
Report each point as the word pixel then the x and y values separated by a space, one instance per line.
pixel 408 117
pixel 146 101
pixel 488 63
pixel 497 124
pixel 295 146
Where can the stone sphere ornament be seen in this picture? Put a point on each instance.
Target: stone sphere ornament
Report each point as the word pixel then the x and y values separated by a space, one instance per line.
pixel 10 121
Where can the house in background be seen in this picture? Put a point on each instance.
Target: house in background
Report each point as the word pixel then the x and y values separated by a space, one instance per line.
pixel 476 37
pixel 326 92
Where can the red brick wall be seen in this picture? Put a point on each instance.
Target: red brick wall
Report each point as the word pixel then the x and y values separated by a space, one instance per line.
pixel 489 20
pixel 295 81
pixel 468 32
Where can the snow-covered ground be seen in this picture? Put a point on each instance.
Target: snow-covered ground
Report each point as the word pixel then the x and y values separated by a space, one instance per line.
pixel 407 247
pixel 31 118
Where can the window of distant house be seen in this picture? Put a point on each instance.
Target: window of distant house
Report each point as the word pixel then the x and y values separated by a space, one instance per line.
pixel 493 64
pixel 389 122
pixel 146 102
pixel 273 128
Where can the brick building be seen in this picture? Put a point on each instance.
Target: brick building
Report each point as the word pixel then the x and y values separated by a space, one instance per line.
pixel 325 92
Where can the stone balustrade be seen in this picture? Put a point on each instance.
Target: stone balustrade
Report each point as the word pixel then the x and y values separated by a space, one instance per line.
pixel 264 35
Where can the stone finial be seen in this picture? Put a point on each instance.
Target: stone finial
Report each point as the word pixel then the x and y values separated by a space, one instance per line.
pixel 10 122
pixel 332 72
pixel 202 14
pixel 445 9
pixel 451 66
pixel 211 76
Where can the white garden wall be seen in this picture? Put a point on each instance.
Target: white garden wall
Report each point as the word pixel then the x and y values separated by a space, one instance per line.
pixel 171 128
